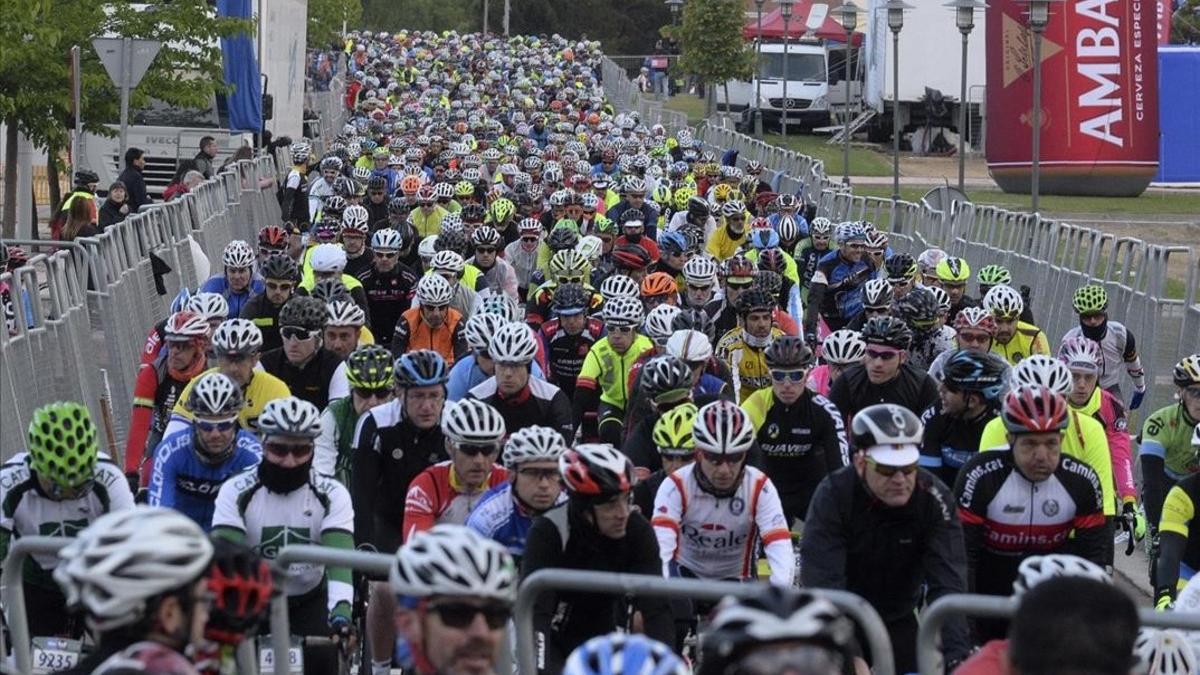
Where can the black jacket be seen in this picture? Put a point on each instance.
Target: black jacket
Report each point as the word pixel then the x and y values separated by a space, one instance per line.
pixel 311 382
pixel 135 184
pixel 912 388
pixel 266 316
pixel 110 213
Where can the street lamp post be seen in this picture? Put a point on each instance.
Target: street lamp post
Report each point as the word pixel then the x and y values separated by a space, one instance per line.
pixel 895 20
pixel 675 6
pixel 964 18
pixel 758 122
pixel 1039 16
pixel 848 17
pixel 785 9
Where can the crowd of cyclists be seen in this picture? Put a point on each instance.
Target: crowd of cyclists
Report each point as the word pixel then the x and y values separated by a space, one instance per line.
pixel 503 328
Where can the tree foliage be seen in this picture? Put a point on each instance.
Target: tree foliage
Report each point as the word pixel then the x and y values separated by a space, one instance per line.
pixel 325 19
pixel 711 45
pixel 437 15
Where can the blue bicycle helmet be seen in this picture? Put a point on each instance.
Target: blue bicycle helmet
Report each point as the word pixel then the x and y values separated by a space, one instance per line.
pixel 421 368
pixel 672 242
pixel 764 237
pixel 624 654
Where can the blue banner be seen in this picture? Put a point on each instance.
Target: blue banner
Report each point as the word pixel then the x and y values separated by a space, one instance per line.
pixel 241 72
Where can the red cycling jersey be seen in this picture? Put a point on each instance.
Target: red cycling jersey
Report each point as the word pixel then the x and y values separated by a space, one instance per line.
pixel 437 496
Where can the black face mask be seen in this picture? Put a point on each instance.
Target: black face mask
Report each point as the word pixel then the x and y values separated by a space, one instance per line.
pixel 1095 333
pixel 281 480
pixel 633 238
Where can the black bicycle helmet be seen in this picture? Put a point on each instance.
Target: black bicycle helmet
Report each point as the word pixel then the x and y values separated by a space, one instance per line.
pixel 695 318
pixel 888 331
pixel 918 307
pixel 571 299
pixel 451 240
pixel 329 290
pixel 562 238
pixel 788 352
pixel 665 373
pixel 754 300
pixel 969 371
pixel 280 266
pixel 901 266
pixel 398 206
pixel 304 311
pixel 770 282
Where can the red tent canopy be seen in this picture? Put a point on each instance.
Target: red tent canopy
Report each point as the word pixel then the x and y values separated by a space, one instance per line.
pixel 772 27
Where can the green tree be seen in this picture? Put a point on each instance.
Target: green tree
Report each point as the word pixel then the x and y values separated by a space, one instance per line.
pixel 437 15
pixel 326 17
pixel 711 44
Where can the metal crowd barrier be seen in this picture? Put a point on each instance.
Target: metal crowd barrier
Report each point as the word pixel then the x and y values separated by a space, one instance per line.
pixel 13 592
pixel 929 656
pixel 695 589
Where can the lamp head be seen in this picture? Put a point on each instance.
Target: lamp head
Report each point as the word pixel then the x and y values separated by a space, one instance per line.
pixel 895 14
pixel 848 15
pixel 785 8
pixel 964 13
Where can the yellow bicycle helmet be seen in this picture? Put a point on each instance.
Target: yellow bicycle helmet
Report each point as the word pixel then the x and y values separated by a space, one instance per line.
pixel 673 431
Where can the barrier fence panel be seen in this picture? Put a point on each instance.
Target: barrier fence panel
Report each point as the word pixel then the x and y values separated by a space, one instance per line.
pixel 13 593
pixel 544 581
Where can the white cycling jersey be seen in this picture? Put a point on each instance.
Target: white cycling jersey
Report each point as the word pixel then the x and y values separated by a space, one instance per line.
pixel 316 513
pixel 717 537
pixel 1115 347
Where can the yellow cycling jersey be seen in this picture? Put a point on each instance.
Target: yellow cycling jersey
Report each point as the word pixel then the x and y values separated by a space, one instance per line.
pixel 426 225
pixel 606 370
pixel 1027 341
pixel 747 363
pixel 722 246
pixel 1084 440
pixel 263 387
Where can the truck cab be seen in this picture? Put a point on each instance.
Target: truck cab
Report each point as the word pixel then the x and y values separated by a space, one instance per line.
pixel 807 74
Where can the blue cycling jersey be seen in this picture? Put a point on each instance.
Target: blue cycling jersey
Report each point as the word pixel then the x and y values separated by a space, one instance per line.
pixel 498 517
pixel 465 375
pixel 236 301
pixel 843 280
pixel 183 482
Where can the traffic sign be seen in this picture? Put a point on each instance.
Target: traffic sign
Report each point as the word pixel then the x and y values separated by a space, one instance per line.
pixel 112 55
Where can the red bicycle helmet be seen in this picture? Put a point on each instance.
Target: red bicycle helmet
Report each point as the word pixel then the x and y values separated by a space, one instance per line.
pixel 1034 410
pixel 272 237
pixel 596 470
pixel 631 257
pixel 241 585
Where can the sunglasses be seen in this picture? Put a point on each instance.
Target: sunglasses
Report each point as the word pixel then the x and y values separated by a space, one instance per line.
pixel 285 449
pixel 888 471
pixel 570 280
pixel 882 355
pixel 718 459
pixel 285 287
pixel 965 338
pixel 619 329
pixel 738 286
pixel 475 450
pixel 790 375
pixel 215 425
pixel 539 474
pixel 372 394
pixel 387 255
pixel 529 240
pixel 484 249
pixel 297 333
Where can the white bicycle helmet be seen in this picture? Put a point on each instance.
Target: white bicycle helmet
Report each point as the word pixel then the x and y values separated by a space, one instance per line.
pixel 1080 353
pixel 480 328
pixel 328 258
pixel 700 271
pixel 1036 569
pixel 128 557
pixel 386 239
pixel 928 261
pixel 623 311
pixel 1164 652
pixel 821 225
pixel 345 313
pixel 1003 302
pixel 355 218
pixel 434 291
pixel 514 342
pixel 690 345
pixel 427 248
pixel 238 255
pixel 843 347
pixel 472 422
pixel 941 299
pixel 215 395
pixel 533 444
pixel 722 427
pixel 620 286
pixel 453 560
pixel 290 416
pixel 877 294
pixel 1044 371
pixel 186 325
pixel 447 261
pixel 500 304
pixel 658 323
pixel 237 336
pixel 590 247
pixel 209 305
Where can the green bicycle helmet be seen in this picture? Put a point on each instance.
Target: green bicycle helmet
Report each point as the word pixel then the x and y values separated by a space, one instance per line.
pixel 1090 299
pixel 994 275
pixel 63 443
pixel 604 225
pixel 672 433
pixel 371 367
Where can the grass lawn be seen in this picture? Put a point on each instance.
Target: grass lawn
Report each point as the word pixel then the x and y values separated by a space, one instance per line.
pixel 1151 202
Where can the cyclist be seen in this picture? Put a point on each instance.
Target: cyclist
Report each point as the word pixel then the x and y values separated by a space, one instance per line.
pixel 1014 339
pixel 303 363
pixel 191 465
pixel 676 449
pixel 1117 345
pixel 919 309
pixel 810 253
pixel 953 273
pixel 743 348
pixel 969 395
pixel 700 281
pixel 1178 547
pixel 450 265
pixel 729 237
pixel 718 492
pixel 522 400
pixel 371 375
pixel 885 375
pixel 57 488
pixel 623 654
pixel 388 283
pixel 238 282
pixel 293 195
pixel 477 366
pixel 974 331
pixel 345 325
pixel 602 386
pixel 1166 451
pixel 241 585
pixel 237 344
pixel 835 289
pixel 1061 504
pixel 596 530
pixel 355 228
pixel 158 387
pixel 455 590
pixel 664 384
pixel 447 491
pixel 565 340
pixel 434 324
pixel 138 575
pixel 877 301
pixel 282 501
pixel 840 350
pixel 534 486
pixel 901 272
pixel 885 529
pixel 328 263
pixel 280 276
pixel 566 267
pixel 487 243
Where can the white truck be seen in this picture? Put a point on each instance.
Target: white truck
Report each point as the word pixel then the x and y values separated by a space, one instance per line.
pixel 808 86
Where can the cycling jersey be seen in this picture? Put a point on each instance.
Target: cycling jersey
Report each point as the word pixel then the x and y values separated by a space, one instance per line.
pixel 1166 455
pixel 25 511
pixel 716 536
pixel 606 370
pixel 911 388
pixel 499 516
pixel 1084 440
pixel 236 299
pixel 835 291
pixel 564 354
pixel 722 245
pixel 155 393
pixel 262 389
pixel 801 443
pixel 265 315
pixel 1179 551
pixel 1119 348
pixel 334 448
pixel 950 441
pixel 188 484
pixel 539 403
pixel 466 375
pixel 389 294
pixel 928 345
pixel 310 381
pixel 747 362
pixel 437 496
pixel 412 333
pixel 319 512
pixel 1007 518
pixel 806 264
pixel 1026 341
pixel 1110 413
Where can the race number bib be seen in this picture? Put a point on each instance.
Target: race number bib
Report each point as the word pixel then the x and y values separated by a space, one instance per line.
pixel 266 657
pixel 51 655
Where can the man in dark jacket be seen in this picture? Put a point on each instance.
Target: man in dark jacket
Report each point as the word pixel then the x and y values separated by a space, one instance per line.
pixel 204 158
pixel 885 529
pixel 135 183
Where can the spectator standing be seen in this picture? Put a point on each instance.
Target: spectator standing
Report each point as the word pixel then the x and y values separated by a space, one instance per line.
pixel 116 207
pixel 204 158
pixel 135 182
